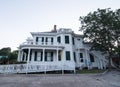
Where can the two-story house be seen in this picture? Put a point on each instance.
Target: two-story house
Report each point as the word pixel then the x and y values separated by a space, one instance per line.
pixel 60 49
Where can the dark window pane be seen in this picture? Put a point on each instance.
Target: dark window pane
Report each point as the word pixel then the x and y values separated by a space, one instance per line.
pixel 59 55
pixel 52 39
pixel 67 55
pixel 42 39
pixel 81 55
pixel 92 58
pixel 35 59
pixel 67 39
pixel 81 60
pixel 46 39
pixel 36 39
pixel 74 56
pixel 51 56
pixel 41 56
pixel 59 39
pixel 73 40
pixel 45 56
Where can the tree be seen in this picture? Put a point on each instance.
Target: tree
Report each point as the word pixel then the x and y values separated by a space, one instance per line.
pixel 8 56
pixel 5 51
pixel 101 29
pixel 13 56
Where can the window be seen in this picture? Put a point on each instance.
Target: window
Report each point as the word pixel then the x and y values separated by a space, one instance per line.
pixel 73 42
pixel 59 55
pixel 67 39
pixel 74 56
pixel 59 39
pixel 67 55
pixel 81 57
pixel 45 56
pixel 42 39
pixel 51 39
pixel 36 39
pixel 51 56
pixel 35 59
pixel 92 58
pixel 41 56
pixel 46 39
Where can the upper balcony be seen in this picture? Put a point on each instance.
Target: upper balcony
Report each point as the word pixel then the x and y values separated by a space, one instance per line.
pixel 42 44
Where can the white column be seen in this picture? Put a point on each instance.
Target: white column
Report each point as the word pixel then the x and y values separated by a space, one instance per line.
pixel 21 56
pixel 33 54
pixel 57 54
pixel 28 58
pixel 86 59
pixel 43 56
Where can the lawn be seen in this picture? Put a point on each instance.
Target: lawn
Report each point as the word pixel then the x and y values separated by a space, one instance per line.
pixel 92 71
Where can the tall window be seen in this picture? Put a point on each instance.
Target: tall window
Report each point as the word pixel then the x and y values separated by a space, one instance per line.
pixel 35 59
pixel 73 41
pixel 36 39
pixel 67 55
pixel 92 58
pixel 74 56
pixel 51 56
pixel 46 39
pixel 41 56
pixel 51 39
pixel 45 56
pixel 42 39
pixel 67 39
pixel 59 55
pixel 59 39
pixel 81 57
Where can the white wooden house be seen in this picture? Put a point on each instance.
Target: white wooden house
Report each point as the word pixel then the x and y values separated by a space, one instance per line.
pixel 60 49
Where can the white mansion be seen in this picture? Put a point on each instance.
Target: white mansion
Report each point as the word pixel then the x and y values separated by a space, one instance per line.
pixel 57 50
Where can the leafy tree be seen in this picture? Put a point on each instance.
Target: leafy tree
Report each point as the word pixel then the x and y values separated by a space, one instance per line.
pixel 8 56
pixel 13 56
pixel 5 51
pixel 102 29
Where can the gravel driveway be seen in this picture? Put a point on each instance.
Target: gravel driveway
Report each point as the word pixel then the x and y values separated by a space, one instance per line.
pixel 111 79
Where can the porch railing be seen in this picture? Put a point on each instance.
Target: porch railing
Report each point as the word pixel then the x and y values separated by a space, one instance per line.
pixel 27 68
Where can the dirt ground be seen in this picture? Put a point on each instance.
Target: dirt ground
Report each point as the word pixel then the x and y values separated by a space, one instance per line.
pixel 110 79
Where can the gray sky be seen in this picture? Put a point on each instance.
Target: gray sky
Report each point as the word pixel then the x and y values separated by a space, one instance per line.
pixel 20 17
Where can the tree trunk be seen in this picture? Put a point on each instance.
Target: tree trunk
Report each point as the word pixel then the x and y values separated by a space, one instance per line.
pixel 110 63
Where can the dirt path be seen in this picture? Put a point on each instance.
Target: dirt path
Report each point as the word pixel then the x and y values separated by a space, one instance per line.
pixel 111 79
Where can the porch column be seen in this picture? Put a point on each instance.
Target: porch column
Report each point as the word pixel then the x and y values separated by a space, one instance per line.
pixel 86 59
pixel 57 54
pixel 43 56
pixel 21 56
pixel 33 54
pixel 28 59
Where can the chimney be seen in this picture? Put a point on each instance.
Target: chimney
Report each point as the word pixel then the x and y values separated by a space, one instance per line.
pixel 55 26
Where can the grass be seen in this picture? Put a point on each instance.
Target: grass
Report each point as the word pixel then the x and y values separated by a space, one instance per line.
pixel 92 71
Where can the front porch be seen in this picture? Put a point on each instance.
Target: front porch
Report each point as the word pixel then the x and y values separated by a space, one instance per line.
pixel 37 67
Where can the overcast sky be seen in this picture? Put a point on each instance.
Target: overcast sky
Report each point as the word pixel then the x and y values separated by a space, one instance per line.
pixel 20 17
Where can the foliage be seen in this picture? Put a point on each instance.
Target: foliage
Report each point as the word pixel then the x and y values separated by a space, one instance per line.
pixel 102 29
pixel 8 56
pixel 5 51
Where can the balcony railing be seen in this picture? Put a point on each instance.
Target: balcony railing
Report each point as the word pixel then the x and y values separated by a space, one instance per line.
pixel 42 43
